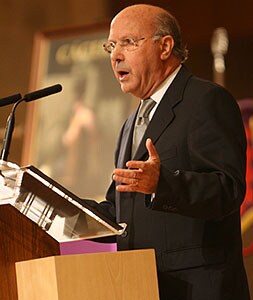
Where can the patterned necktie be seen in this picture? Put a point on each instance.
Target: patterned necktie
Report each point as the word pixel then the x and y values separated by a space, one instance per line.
pixel 141 123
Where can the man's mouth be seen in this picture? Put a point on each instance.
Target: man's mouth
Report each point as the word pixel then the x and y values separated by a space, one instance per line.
pixel 122 75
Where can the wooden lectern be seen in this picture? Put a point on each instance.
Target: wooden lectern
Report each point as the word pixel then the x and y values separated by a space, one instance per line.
pixel 21 239
pixel 37 216
pixel 125 275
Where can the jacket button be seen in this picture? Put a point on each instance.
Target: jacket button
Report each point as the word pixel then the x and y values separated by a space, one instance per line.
pixel 176 173
pixel 124 234
pixel 165 207
pixel 169 208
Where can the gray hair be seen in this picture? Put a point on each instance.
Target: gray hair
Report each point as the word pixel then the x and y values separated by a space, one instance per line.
pixel 166 24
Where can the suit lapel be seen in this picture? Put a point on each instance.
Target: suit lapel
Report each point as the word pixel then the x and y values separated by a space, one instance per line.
pixel 164 113
pixel 126 142
pixel 162 118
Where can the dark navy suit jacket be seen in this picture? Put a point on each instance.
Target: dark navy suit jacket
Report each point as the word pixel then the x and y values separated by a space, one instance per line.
pixel 193 223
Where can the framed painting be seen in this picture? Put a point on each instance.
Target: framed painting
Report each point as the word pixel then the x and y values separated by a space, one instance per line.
pixel 71 136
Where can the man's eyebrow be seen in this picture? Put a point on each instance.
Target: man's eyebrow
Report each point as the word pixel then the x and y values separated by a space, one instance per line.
pixel 122 38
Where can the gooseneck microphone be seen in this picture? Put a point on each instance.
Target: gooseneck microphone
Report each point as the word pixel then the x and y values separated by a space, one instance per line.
pixel 42 93
pixel 10 99
pixel 11 119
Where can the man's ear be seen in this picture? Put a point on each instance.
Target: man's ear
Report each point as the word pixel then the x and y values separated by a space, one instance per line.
pixel 167 44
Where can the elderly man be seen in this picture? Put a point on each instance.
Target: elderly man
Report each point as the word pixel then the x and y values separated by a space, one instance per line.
pixel 180 162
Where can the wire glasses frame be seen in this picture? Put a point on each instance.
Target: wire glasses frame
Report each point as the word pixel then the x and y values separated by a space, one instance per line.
pixel 128 44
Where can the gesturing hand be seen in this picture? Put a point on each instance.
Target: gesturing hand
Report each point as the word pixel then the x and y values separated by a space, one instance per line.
pixel 141 176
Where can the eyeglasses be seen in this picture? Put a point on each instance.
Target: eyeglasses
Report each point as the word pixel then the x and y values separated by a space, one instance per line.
pixel 128 44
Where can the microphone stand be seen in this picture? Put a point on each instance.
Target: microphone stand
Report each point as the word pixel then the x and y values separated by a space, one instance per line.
pixel 8 170
pixel 219 48
pixel 11 119
pixel 8 132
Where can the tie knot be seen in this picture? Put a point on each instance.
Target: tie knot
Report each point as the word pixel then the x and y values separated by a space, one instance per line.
pixel 145 108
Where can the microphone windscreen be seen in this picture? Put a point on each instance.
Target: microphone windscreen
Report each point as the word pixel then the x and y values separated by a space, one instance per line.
pixel 43 93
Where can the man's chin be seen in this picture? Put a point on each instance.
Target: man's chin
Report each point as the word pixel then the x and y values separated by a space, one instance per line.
pixel 125 89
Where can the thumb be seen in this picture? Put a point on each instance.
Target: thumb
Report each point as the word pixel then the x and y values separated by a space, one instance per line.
pixel 153 155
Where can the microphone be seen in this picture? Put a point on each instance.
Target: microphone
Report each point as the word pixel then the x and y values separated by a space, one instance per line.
pixel 10 99
pixel 11 119
pixel 43 93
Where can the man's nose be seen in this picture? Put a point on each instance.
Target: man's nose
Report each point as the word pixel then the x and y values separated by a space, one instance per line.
pixel 117 53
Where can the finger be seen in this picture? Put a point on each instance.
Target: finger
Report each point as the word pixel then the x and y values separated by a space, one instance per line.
pixel 126 188
pixel 128 173
pixel 135 188
pixel 136 164
pixel 126 180
pixel 152 150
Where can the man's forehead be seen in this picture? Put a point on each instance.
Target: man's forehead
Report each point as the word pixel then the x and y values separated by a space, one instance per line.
pixel 125 29
pixel 126 25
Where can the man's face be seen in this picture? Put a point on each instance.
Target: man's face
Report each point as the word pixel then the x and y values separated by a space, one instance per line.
pixel 138 71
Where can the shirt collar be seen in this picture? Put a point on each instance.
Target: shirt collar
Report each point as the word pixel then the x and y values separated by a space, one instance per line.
pixel 157 96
